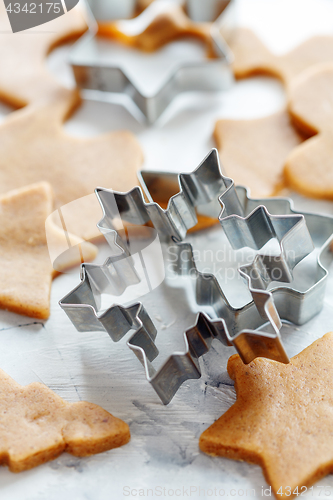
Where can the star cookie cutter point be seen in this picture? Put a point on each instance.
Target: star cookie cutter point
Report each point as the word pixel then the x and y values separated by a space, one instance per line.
pixel 206 188
pixel 100 75
pixel 302 305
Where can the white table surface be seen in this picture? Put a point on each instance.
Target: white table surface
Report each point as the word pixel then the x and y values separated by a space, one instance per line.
pixel 163 451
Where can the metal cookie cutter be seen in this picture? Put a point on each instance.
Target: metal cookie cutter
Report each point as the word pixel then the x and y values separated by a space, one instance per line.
pixel 231 326
pixel 197 10
pixel 249 222
pixel 202 188
pixel 100 72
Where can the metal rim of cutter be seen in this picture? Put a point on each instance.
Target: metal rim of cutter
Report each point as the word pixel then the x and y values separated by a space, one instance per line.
pixel 94 74
pixel 304 304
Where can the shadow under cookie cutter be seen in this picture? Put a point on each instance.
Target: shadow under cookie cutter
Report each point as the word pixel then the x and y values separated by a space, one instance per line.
pixel 81 308
pixel 97 72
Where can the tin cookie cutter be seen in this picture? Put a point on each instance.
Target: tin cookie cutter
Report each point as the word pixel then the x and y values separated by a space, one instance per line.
pixel 301 305
pixel 197 10
pixel 197 189
pixel 99 72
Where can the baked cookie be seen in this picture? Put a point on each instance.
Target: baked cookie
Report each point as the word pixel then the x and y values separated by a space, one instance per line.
pixel 34 148
pixel 252 57
pixel 282 419
pixel 26 269
pixel 24 78
pixel 161 29
pixel 141 5
pixel 253 152
pixel 37 425
pixel 309 167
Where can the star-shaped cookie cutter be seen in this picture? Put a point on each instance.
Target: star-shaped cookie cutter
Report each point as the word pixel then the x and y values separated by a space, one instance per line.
pixel 249 222
pixel 95 69
pixel 201 189
pixel 197 10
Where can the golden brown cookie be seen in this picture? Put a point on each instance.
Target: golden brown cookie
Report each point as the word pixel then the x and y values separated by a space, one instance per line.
pixel 253 152
pixel 282 419
pixel 34 147
pixel 37 425
pixel 141 5
pixel 26 269
pixel 24 78
pixel 162 190
pixel 204 221
pixel 309 167
pixel 164 28
pixel 252 57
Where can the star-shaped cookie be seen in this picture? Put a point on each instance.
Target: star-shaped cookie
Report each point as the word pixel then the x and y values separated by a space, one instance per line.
pixel 252 57
pixel 26 268
pixel 253 152
pixel 282 419
pixel 24 78
pixel 309 167
pixel 37 425
pixel 34 147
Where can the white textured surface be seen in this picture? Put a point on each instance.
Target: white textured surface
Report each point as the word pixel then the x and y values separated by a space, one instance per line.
pixel 163 451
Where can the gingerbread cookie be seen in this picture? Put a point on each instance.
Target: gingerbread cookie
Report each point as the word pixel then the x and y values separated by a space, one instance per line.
pixel 282 419
pixel 141 5
pixel 162 28
pixel 34 147
pixel 309 167
pixel 203 221
pixel 24 78
pixel 252 57
pixel 25 262
pixel 253 152
pixel 162 190
pixel 37 425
